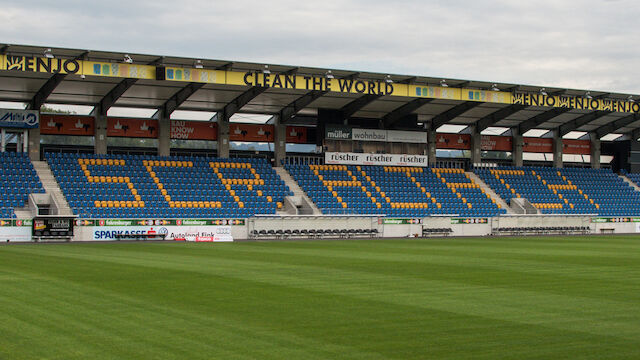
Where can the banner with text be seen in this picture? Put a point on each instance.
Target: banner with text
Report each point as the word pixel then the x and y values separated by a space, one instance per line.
pixel 194 130
pixel 137 128
pixel 304 82
pixel 297 135
pixel 575 102
pixel 453 141
pixel 375 159
pixel 67 125
pixel 333 132
pixel 537 145
pixel 578 147
pixel 251 132
pixel 193 233
pixel 497 143
pixel 16 118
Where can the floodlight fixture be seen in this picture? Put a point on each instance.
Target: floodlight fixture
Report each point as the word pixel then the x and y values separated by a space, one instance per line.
pixel 543 92
pixel 329 75
pixel 198 64
pixel 443 83
pixel 266 70
pixel 588 95
pixel 127 59
pixel 495 87
pixel 388 79
pixel 48 53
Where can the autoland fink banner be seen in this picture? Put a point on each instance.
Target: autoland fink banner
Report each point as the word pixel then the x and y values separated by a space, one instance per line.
pixel 304 82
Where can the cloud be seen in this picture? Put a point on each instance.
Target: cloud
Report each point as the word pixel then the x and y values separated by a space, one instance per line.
pixel 571 44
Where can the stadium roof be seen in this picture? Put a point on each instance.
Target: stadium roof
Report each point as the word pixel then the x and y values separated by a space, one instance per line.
pixel 30 74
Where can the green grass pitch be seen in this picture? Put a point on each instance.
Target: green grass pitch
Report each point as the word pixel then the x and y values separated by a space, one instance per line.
pixel 475 298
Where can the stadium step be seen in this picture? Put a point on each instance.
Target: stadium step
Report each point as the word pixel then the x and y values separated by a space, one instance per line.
pixel 51 186
pixel 490 191
pixel 23 213
pixel 628 181
pixel 298 194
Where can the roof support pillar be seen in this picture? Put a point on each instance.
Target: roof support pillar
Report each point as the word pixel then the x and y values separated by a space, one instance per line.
pixel 476 146
pixel 517 142
pixel 33 136
pixel 225 114
pixel 100 141
pixel 431 146
pixel 223 137
pixel 164 133
pixel 595 151
pixel 279 141
pixel 557 149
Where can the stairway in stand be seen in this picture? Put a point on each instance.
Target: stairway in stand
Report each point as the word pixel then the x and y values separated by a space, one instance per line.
pixel 490 191
pixel 51 186
pixel 297 191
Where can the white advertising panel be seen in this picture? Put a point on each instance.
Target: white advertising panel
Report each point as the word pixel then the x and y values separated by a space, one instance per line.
pixel 375 159
pixel 369 135
pixel 15 233
pixel 418 137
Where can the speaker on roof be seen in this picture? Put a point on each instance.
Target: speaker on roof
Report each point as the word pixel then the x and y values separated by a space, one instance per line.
pixel 160 73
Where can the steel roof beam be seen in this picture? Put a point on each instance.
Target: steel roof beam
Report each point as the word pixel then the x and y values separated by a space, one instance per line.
pixel 43 93
pixel 635 134
pixel 540 119
pixel 226 66
pixel 452 113
pixel 576 123
pixel 496 116
pixel 180 97
pixel 357 104
pixel 615 125
pixel 404 110
pixel 112 96
pixel 300 103
pixel 241 100
pixel 351 76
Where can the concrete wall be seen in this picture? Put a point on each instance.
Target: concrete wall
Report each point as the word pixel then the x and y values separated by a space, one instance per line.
pixel 481 228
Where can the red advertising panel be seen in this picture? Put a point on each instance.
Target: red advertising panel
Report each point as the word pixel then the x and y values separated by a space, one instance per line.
pixel 194 130
pixel 137 128
pixel 297 135
pixel 453 141
pixel 537 145
pixel 579 147
pixel 251 132
pixel 66 125
pixel 497 143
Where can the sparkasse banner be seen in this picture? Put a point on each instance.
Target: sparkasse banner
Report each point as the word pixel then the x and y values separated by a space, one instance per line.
pixel 193 233
pixel 375 159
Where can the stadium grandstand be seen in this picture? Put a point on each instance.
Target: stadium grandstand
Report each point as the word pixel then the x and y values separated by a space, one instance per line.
pixel 137 141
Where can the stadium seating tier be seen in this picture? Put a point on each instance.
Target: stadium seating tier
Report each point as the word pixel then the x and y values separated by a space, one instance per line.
pixel 131 186
pixel 18 179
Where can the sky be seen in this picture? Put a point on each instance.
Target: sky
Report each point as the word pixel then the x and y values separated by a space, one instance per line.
pixel 589 44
